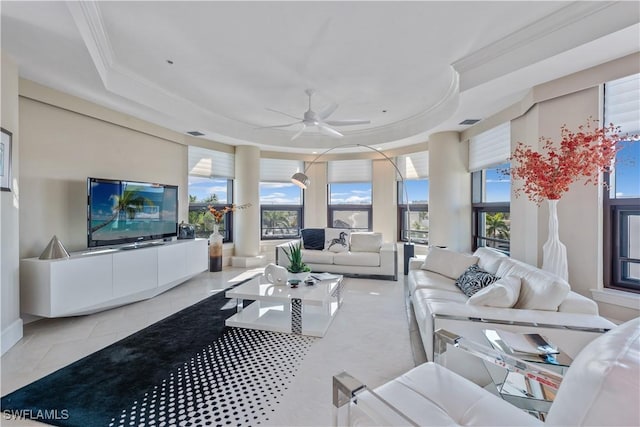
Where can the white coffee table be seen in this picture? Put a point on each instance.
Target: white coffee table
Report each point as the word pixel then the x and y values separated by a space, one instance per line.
pixel 305 310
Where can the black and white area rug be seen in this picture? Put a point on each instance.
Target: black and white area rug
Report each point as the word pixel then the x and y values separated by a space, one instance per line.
pixel 237 380
pixel 186 370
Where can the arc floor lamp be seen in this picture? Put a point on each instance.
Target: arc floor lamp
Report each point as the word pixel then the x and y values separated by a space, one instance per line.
pixel 302 180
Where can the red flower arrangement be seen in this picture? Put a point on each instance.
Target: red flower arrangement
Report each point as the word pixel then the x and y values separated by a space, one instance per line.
pixel 218 215
pixel 581 154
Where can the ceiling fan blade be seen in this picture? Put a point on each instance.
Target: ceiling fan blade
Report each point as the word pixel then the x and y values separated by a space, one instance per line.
pixel 328 111
pixel 329 131
pixel 299 132
pixel 277 126
pixel 286 114
pixel 347 122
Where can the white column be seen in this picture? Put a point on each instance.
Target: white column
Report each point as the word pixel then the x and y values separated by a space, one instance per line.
pixel 384 200
pixel 449 192
pixel 315 196
pixel 246 222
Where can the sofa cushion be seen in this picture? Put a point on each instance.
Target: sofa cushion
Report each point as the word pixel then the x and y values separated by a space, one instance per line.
pixel 473 279
pixel 540 290
pixel 424 279
pixel 313 238
pixel 503 292
pixel 317 257
pixel 489 259
pixel 448 263
pixel 336 239
pixel 364 259
pixel 425 294
pixel 365 242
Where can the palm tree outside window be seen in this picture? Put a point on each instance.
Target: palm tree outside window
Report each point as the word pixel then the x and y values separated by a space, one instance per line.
pixel 491 194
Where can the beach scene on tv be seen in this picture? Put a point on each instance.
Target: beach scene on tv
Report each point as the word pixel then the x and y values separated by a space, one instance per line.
pixel 122 210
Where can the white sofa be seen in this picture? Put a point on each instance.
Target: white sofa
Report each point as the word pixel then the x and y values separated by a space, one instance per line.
pixel 544 303
pixel 366 255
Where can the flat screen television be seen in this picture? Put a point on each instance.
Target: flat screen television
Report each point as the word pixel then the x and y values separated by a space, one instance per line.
pixel 120 212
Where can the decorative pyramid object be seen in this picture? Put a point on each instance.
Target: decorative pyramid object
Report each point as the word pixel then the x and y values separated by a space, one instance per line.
pixel 54 250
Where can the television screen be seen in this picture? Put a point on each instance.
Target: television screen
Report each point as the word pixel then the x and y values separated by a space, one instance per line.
pixel 126 211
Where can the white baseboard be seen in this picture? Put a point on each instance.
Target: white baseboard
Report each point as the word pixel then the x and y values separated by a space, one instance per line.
pixel 248 262
pixel 11 335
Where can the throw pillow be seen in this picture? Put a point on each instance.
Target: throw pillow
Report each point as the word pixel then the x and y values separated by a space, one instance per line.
pixel 474 279
pixel 336 240
pixel 447 262
pixel 313 238
pixel 366 242
pixel 502 293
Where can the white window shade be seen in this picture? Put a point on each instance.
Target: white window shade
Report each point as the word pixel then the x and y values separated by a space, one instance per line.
pixel 621 105
pixel 279 170
pixel 414 165
pixel 211 163
pixel 349 171
pixel 490 148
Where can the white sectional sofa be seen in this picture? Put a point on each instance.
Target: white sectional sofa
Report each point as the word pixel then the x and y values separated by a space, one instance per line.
pixel 526 299
pixel 361 254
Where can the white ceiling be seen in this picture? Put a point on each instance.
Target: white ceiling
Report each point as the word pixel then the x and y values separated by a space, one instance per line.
pixel 411 68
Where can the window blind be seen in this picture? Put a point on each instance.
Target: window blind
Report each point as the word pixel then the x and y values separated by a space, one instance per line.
pixel 490 148
pixel 279 170
pixel 414 165
pixel 621 106
pixel 349 171
pixel 211 163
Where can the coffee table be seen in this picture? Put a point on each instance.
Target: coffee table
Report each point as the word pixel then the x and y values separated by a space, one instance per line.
pixel 305 310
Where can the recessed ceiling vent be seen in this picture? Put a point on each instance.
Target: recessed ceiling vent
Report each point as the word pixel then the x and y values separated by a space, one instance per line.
pixel 195 133
pixel 468 122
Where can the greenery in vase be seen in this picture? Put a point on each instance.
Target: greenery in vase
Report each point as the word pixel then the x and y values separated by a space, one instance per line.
pixel 294 254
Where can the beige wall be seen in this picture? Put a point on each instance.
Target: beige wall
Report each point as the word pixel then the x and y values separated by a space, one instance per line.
pixel 9 220
pixel 61 148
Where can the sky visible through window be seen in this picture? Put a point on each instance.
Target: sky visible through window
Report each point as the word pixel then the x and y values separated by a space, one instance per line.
pixel 627 171
pixel 497 184
pixel 280 193
pixel 202 188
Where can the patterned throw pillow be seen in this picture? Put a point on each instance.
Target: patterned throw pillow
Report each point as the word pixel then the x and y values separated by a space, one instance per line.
pixel 474 279
pixel 336 240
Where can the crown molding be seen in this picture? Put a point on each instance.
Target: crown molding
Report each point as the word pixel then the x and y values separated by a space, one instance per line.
pixel 578 23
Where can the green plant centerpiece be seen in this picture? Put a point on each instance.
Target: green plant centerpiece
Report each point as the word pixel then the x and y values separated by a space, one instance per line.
pixel 297 269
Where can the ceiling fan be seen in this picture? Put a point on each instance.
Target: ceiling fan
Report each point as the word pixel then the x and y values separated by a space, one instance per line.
pixel 319 120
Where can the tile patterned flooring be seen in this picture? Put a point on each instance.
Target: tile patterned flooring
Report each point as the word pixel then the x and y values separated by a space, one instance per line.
pixel 373 318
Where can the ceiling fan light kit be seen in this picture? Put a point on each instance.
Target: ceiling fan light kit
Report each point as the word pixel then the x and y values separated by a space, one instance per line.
pixel 318 120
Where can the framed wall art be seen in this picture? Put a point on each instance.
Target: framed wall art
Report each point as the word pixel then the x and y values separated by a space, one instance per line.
pixel 5 160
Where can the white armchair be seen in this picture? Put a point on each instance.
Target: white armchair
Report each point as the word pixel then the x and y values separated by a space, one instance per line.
pixel 602 387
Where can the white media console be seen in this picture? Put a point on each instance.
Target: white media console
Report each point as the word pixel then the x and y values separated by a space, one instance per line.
pixel 99 279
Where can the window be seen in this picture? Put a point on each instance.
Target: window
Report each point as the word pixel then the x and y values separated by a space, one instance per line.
pixel 281 208
pixel 350 194
pixel 350 205
pixel 210 183
pixel 415 171
pixel 204 192
pixel 622 201
pixel 491 188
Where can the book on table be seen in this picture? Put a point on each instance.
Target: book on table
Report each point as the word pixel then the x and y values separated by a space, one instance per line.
pixel 527 343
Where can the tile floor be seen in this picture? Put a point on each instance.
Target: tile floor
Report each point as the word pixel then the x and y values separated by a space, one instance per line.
pixel 374 313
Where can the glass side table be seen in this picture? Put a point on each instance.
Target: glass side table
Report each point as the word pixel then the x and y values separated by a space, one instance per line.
pixel 520 390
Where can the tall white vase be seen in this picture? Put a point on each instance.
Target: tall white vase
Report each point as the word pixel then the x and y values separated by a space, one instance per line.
pixel 554 253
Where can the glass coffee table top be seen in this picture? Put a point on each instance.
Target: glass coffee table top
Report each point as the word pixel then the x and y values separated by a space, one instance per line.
pixel 520 390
